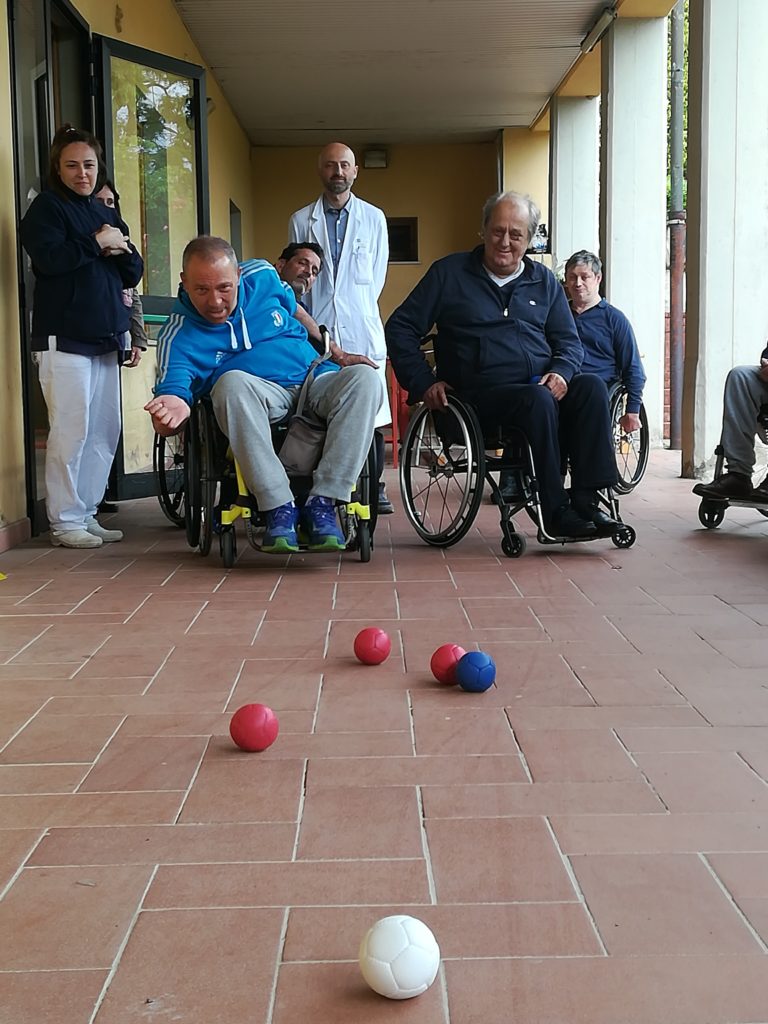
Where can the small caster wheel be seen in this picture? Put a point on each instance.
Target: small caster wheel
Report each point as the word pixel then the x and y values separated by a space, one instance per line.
pixel 513 546
pixel 711 514
pixel 624 537
pixel 228 546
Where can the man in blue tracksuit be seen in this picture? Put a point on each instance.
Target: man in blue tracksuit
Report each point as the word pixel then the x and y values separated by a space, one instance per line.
pixel 235 333
pixel 610 348
pixel 507 343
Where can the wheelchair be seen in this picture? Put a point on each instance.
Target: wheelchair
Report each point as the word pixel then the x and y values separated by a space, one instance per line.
pixel 632 449
pixel 216 495
pixel 712 510
pixel 445 462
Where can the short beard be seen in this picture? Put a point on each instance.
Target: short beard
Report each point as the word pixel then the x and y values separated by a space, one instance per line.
pixel 338 187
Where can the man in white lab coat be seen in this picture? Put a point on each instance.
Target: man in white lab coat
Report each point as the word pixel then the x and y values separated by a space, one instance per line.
pixel 345 296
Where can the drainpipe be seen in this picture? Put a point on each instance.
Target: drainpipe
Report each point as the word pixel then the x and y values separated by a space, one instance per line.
pixel 676 223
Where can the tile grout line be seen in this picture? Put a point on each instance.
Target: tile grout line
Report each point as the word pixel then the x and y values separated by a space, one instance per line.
pixel 192 779
pixel 521 755
pixel 742 916
pixel 425 848
pixel 278 962
pixel 104 747
pixel 300 810
pixel 749 767
pixel 121 949
pixel 196 616
pixel 159 669
pixel 82 601
pixel 22 865
pixel 233 687
pixel 575 883
pixel 28 644
pixel 93 654
pixel 643 775
pixel 25 724
pixel 37 591
pixel 138 607
pixel 125 567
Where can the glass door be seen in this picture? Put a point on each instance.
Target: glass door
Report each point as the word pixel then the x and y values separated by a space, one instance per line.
pixel 153 124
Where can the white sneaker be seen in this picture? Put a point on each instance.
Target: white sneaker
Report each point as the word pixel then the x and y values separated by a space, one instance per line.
pixel 108 536
pixel 76 539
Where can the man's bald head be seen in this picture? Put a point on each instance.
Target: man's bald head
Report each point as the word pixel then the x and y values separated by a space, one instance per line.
pixel 337 168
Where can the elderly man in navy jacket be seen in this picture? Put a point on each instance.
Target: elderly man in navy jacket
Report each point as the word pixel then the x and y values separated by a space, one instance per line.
pixel 507 343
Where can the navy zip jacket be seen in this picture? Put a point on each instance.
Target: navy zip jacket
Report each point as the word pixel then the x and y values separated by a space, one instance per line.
pixel 78 292
pixel 610 350
pixel 487 335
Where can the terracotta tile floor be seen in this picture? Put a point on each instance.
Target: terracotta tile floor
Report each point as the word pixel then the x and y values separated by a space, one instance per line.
pixel 588 839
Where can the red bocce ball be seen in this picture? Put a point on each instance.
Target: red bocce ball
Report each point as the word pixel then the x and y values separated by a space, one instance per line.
pixel 254 727
pixel 372 646
pixel 443 663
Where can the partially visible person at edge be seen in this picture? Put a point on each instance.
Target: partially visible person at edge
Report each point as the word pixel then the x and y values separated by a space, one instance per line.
pixel 610 348
pixel 745 414
pixel 109 195
pixel 353 234
pixel 507 343
pixel 82 259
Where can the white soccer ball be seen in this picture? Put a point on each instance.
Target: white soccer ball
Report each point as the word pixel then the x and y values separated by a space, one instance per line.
pixel 399 957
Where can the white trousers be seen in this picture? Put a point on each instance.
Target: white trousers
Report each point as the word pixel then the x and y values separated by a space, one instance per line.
pixel 82 394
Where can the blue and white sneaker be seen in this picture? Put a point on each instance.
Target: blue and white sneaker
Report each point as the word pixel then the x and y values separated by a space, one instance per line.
pixel 280 535
pixel 318 519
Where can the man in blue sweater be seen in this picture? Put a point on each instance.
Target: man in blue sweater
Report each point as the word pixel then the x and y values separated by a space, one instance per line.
pixel 237 334
pixel 507 343
pixel 610 349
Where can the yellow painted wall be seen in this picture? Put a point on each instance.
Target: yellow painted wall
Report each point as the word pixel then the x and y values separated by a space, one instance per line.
pixel 444 186
pixel 12 494
pixel 526 165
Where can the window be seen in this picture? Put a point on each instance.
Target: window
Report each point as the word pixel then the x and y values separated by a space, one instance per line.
pixel 403 239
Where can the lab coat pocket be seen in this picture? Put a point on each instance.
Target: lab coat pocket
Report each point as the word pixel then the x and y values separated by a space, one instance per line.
pixel 362 263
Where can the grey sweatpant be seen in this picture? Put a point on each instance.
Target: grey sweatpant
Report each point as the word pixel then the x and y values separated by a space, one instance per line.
pixel 347 400
pixel 745 392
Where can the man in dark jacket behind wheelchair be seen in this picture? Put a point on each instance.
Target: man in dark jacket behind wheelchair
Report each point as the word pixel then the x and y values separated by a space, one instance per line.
pixel 508 344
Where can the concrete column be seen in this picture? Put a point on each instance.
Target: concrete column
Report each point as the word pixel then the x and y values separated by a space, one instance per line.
pixel 574 175
pixel 633 163
pixel 727 298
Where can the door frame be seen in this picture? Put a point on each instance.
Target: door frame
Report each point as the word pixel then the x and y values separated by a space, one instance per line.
pixel 35 505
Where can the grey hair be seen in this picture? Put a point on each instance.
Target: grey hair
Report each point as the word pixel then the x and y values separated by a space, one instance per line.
pixel 209 248
pixel 519 199
pixel 584 258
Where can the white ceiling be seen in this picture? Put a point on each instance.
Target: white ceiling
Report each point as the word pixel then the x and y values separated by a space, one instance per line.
pixel 298 73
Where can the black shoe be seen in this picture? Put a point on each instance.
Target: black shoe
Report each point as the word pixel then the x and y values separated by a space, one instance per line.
pixel 107 507
pixel 760 493
pixel 566 522
pixel 510 491
pixel 385 506
pixel 587 505
pixel 731 485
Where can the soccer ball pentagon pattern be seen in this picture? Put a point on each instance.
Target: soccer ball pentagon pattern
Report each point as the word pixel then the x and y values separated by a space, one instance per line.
pixel 399 957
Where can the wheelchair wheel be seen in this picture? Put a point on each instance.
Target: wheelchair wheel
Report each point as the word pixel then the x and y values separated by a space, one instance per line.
pixel 200 476
pixel 631 449
pixel 442 472
pixel 514 545
pixel 624 537
pixel 359 532
pixel 711 514
pixel 168 464
pixel 228 546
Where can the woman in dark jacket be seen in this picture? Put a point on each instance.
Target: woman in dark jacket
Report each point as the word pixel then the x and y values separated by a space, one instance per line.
pixel 82 260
